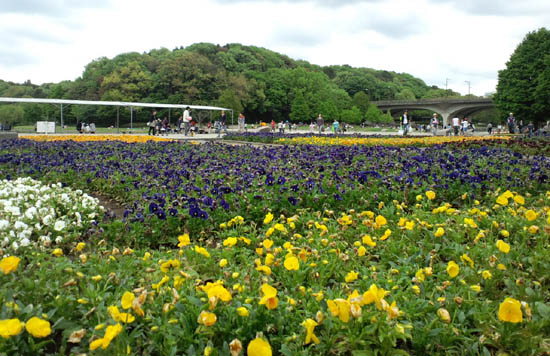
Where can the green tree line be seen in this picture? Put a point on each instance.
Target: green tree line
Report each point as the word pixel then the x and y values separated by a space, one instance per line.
pixel 262 84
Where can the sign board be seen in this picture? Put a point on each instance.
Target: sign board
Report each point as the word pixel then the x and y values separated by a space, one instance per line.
pixel 45 126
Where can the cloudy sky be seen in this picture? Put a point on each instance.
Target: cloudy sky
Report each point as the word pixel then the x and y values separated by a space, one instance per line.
pixel 435 40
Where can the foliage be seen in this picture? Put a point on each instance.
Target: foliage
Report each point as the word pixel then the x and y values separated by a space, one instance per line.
pixel 523 86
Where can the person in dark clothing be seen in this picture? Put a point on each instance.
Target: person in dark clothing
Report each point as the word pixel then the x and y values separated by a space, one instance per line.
pixel 152 122
pixel 530 128
pixel 223 121
pixel 79 126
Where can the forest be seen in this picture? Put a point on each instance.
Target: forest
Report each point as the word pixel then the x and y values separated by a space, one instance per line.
pixel 260 83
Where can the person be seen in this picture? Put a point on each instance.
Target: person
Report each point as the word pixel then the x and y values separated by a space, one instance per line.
pixel 456 125
pixel 79 126
pixel 281 127
pixel 287 125
pixel 405 122
pixel 312 127
pixel 186 120
pixel 273 126
pixel 530 128
pixel 490 129
pixel 320 123
pixel 158 125
pixel 520 126
pixel 223 122
pixel 209 126
pixel 499 129
pixel 240 121
pixel 511 122
pixel 92 128
pixel 464 126
pixel 435 122
pixel 218 127
pixel 335 125
pixel 164 126
pixel 152 123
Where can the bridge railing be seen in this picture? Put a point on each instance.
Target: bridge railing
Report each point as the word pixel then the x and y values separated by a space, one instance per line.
pixel 433 101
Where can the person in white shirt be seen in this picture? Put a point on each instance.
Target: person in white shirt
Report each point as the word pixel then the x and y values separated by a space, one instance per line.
pixel 186 120
pixel 456 125
pixel 435 122
pixel 405 122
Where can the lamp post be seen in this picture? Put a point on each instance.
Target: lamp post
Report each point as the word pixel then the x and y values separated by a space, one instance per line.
pixel 467 81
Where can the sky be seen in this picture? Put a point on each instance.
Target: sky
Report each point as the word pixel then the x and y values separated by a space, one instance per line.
pixel 459 43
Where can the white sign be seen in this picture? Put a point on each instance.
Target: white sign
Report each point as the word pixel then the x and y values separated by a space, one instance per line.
pixel 45 126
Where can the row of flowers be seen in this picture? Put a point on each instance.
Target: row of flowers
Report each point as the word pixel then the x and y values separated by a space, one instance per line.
pixel 32 212
pixel 424 277
pixel 85 138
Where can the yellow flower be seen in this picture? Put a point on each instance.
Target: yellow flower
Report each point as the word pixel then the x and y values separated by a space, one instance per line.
pixel 502 200
pixel 183 240
pixel 230 242
pixel 291 263
pixel 96 278
pixel 267 243
pixel 416 289
pixel 340 308
pixel 430 194
pixel 120 317
pixel 510 311
pixel 530 215
pixel 465 259
pixel 202 251
pixel 503 246
pixel 80 246
pixel 208 350
pixel 110 333
pixel 387 234
pixel 351 276
pixel 519 199
pixel 223 263
pixel 268 218
pixel 146 256
pixel 38 328
pixel 409 225
pixel 374 295
pixel 470 222
pixel 367 240
pixel 504 233
pixel 533 229
pixel 310 325
pixel 361 251
pixel 169 265
pixel 444 315
pixel 258 347
pixel 242 311
pixel 501 267
pixel 380 221
pixel 264 269
pixel 419 197
pixel 9 264
pixel 10 327
pixel 57 252
pixel 486 274
pixel 280 227
pixel 439 232
pixel 206 318
pixel 452 269
pixel 127 300
pixel 269 298
pixel 420 275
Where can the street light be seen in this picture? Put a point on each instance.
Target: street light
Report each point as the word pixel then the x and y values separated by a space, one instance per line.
pixel 446 83
pixel 467 81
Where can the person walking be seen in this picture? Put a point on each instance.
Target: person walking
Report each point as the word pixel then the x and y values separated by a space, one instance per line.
pixel 490 129
pixel 320 123
pixel 511 122
pixel 223 121
pixel 240 121
pixel 152 122
pixel 405 122
pixel 530 128
pixel 435 122
pixel 186 120
pixel 456 125
pixel 273 126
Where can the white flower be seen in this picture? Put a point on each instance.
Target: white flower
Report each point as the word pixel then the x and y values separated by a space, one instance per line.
pixel 59 225
pixel 19 225
pixel 58 239
pixel 25 242
pixel 4 224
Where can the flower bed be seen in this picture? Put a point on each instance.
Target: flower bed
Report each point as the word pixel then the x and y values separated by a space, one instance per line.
pixel 301 249
pixel 427 278
pixel 86 138
pixel 34 213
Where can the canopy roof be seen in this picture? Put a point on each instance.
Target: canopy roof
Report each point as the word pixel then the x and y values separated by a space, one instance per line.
pixel 108 103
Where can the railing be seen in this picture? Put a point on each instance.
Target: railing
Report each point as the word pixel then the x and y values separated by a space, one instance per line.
pixel 433 101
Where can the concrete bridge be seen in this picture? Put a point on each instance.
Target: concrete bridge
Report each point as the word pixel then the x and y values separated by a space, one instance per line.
pixel 446 108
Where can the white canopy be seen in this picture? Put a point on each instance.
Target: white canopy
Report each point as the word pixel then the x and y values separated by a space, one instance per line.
pixel 108 103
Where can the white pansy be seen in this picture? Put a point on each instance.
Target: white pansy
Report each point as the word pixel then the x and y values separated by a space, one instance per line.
pixel 25 242
pixel 59 225
pixel 58 239
pixel 4 224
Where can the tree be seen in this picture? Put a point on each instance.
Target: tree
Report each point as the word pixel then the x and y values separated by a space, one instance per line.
pixel 300 111
pixel 11 114
pixel 361 101
pixel 352 116
pixel 523 86
pixel 374 115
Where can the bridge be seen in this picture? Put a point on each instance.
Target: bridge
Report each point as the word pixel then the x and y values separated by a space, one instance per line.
pixel 446 108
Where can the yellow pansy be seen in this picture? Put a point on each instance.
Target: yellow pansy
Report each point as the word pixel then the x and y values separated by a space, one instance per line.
pixel 38 328
pixel 452 269
pixel 510 311
pixel 291 263
pixel 430 194
pixel 310 325
pixel 503 246
pixel 9 264
pixel 258 347
pixel 10 327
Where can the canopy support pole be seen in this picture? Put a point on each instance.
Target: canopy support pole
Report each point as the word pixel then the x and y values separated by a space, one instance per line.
pixel 117 119
pixel 131 118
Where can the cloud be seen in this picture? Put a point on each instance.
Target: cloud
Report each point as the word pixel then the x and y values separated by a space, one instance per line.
pixel 50 8
pixel 500 7
pixel 324 3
